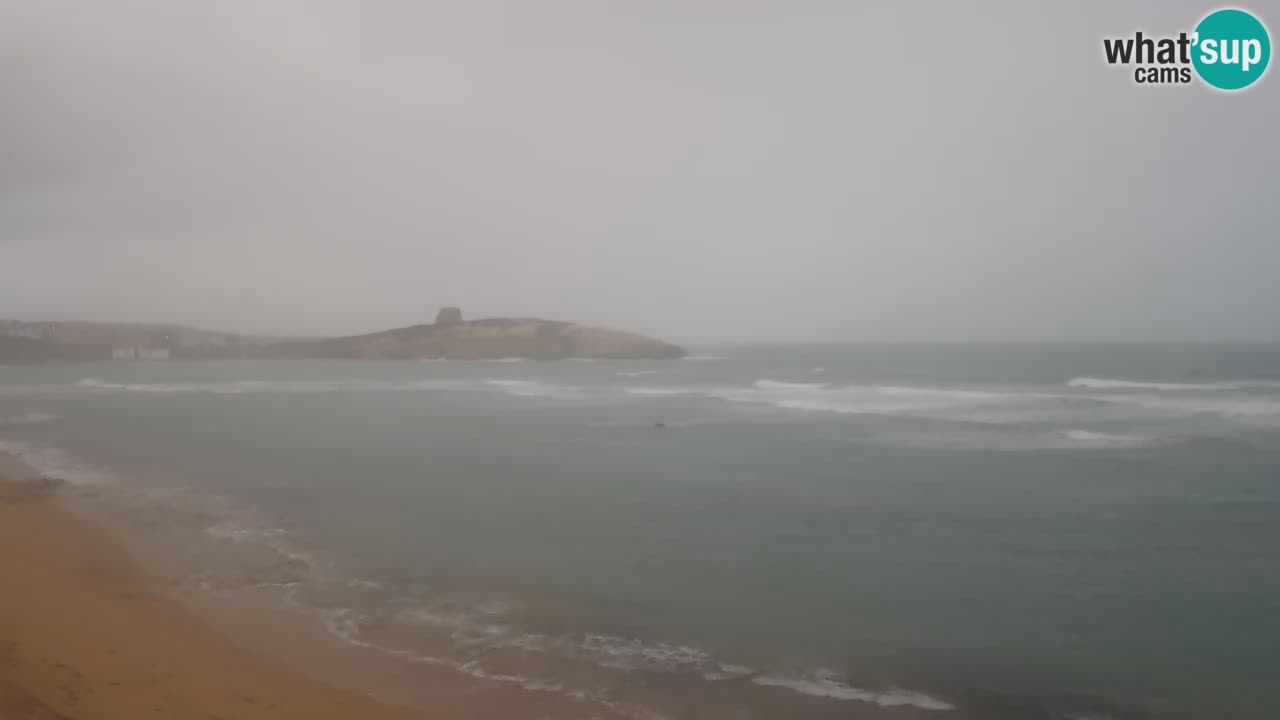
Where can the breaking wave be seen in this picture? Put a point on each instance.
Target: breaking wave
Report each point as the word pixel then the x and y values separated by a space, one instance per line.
pixel 1086 401
pixel 530 388
pixel 632 655
pixel 987 405
pixel 822 684
pixel 1093 383
pixel 961 404
pixel 96 384
pixel 1238 407
pixel 1105 439
pixel 787 386
pixel 948 394
pixel 54 462
pixel 661 391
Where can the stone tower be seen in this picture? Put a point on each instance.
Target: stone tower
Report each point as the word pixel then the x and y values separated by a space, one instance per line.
pixel 449 316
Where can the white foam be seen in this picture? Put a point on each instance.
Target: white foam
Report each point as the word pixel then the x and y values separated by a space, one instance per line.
pixel 474 669
pixel 232 531
pixel 634 654
pixel 1114 384
pixel 985 405
pixel 780 386
pixel 627 711
pixel 666 391
pixel 532 388
pixel 811 397
pixel 705 358
pixel 626 654
pixel 515 387
pixel 823 685
pixel 95 384
pixel 945 393
pixel 462 625
pixel 637 373
pixel 57 463
pixel 943 403
pixel 622 653
pixel 1245 408
pixel 728 671
pixel 649 423
pixel 1101 438
pixel 506 360
pixel 232 387
pixel 275 539
pixel 339 622
pixel 344 624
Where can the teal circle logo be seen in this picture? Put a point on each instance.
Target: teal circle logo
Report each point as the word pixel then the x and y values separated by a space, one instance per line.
pixel 1231 49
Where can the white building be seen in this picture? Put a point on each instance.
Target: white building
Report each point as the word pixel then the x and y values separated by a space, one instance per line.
pixel 139 352
pixel 13 328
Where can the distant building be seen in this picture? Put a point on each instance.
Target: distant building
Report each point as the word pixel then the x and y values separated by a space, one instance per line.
pixel 139 352
pixel 13 328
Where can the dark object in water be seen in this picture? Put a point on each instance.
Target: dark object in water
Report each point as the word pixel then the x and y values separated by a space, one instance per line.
pixel 660 425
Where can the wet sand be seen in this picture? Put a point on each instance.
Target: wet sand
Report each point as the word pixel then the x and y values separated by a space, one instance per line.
pixel 83 635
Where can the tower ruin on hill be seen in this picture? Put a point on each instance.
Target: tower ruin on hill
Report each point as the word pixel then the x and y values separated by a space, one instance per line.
pixel 449 316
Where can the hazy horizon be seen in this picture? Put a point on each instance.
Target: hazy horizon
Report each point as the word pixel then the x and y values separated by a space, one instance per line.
pixel 701 172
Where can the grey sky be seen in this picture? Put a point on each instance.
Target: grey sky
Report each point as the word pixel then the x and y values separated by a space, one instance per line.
pixel 696 170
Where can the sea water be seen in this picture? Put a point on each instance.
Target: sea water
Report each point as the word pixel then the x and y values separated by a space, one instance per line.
pixel 950 531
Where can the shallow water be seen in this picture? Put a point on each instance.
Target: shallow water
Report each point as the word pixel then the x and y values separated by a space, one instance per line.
pixel 766 531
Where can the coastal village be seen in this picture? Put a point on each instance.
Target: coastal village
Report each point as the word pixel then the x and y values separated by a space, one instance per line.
pixel 116 342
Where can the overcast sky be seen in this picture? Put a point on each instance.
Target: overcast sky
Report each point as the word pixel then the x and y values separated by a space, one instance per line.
pixel 693 169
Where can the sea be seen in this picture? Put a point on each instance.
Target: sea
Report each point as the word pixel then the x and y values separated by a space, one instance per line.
pixel 772 532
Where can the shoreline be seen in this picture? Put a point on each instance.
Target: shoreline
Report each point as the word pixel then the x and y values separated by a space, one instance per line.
pixel 107 624
pixel 89 630
pixel 84 635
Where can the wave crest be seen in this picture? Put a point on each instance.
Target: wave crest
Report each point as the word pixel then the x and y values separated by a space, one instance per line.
pixel 824 685
pixel 1095 383
pixel 780 386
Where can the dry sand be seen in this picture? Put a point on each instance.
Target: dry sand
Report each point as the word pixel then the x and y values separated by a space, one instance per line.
pixel 82 635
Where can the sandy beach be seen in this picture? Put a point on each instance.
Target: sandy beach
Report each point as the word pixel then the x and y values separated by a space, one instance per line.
pixel 89 630
pixel 82 635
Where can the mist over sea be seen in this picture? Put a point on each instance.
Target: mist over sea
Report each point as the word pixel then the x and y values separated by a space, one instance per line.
pixel 767 531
